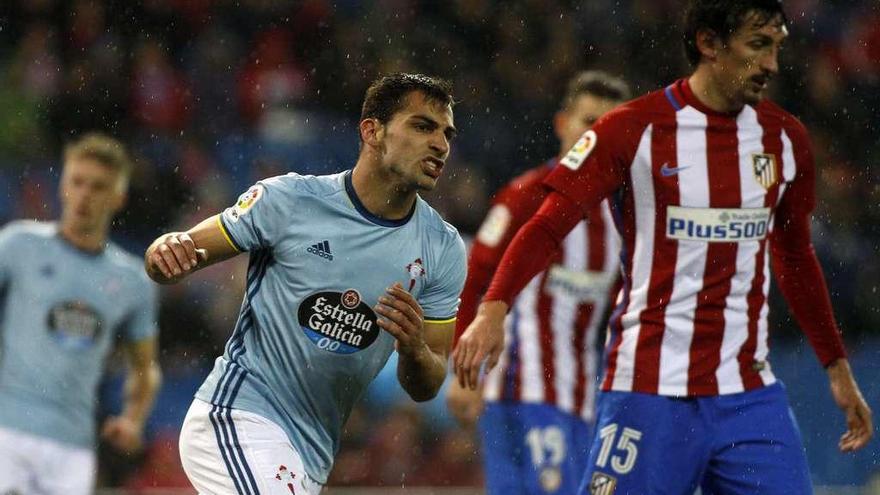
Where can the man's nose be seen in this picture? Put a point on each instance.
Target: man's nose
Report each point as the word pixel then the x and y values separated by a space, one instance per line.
pixel 770 62
pixel 440 144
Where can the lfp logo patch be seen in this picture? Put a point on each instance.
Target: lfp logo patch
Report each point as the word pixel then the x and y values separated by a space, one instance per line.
pixel 338 322
pixel 580 151
pixel 245 202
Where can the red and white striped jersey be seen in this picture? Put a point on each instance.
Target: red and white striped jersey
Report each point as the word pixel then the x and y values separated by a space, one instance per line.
pixel 551 330
pixel 695 194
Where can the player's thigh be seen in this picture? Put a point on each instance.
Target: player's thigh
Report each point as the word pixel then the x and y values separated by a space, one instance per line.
pixel 15 470
pixel 231 451
pixel 646 445
pixel 32 464
pixel 532 449
pixel 581 437
pixel 759 449
pixel 67 471
pixel 551 444
pixel 500 434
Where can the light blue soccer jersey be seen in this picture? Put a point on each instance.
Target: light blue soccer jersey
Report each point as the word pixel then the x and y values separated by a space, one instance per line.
pixel 306 344
pixel 62 311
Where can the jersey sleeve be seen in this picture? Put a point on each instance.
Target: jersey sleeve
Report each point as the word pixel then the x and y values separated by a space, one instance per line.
pixel 511 209
pixel 254 221
pixel 533 246
pixel 440 298
pixel 599 162
pixel 795 264
pixel 142 323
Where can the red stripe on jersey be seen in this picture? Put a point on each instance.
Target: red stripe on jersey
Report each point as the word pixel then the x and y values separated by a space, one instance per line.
pixel 597 246
pixel 579 344
pixel 516 371
pixel 546 335
pixel 652 319
pixel 751 378
pixel 724 192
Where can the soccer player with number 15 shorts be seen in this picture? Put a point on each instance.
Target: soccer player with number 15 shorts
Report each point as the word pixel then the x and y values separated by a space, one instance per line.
pixel 710 185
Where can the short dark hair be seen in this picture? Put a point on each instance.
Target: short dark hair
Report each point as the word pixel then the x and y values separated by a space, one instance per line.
pixel 386 95
pixel 597 83
pixel 724 17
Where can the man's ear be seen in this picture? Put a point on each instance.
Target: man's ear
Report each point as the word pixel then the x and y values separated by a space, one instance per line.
pixel 372 131
pixel 560 121
pixel 708 44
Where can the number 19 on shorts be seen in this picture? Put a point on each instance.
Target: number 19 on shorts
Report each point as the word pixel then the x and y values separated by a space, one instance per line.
pixel 626 451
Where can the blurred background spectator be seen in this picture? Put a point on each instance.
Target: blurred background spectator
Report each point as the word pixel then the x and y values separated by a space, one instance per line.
pixel 213 95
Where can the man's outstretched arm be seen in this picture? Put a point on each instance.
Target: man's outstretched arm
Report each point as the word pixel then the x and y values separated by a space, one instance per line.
pixel 529 253
pixel 174 256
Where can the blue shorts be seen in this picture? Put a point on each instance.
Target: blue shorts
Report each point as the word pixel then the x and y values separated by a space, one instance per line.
pixel 532 449
pixel 746 443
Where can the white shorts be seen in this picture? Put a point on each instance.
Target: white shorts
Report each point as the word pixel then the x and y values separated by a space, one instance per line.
pixel 34 464
pixel 228 451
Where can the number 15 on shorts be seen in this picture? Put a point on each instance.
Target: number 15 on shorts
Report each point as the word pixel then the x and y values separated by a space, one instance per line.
pixel 626 450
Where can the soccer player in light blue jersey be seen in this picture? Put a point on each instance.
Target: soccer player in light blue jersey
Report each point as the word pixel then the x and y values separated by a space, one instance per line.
pixel 66 294
pixel 344 269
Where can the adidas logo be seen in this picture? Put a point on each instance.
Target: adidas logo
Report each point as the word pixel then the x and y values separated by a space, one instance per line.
pixel 321 249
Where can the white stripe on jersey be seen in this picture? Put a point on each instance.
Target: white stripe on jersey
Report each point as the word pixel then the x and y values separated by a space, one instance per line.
pixel 528 329
pixel 690 143
pixel 494 381
pixel 789 168
pixel 762 350
pixel 564 312
pixel 643 198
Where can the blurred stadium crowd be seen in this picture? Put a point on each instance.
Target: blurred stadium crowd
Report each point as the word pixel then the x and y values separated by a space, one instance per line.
pixel 215 94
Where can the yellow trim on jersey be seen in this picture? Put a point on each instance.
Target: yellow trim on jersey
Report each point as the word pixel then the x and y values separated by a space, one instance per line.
pixel 226 234
pixel 446 320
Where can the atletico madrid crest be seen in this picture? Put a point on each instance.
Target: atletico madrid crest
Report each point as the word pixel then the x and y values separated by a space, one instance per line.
pixel 764 166
pixel 602 484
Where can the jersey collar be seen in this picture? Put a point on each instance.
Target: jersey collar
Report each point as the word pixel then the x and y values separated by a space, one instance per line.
pixel 352 195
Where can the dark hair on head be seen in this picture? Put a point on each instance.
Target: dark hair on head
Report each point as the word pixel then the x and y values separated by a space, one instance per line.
pixel 724 17
pixel 597 83
pixel 387 94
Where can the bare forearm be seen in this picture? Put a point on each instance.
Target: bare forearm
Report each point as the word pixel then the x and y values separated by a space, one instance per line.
pixel 421 373
pixel 141 387
pixel 176 255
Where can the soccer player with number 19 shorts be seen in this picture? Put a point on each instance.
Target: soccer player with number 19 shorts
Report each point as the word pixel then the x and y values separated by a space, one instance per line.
pixel 710 185
pixel 536 408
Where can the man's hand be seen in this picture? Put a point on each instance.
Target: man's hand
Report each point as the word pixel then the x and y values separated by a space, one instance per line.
pixel 123 434
pixel 482 340
pixel 422 354
pixel 465 405
pixel 860 427
pixel 402 317
pixel 172 257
